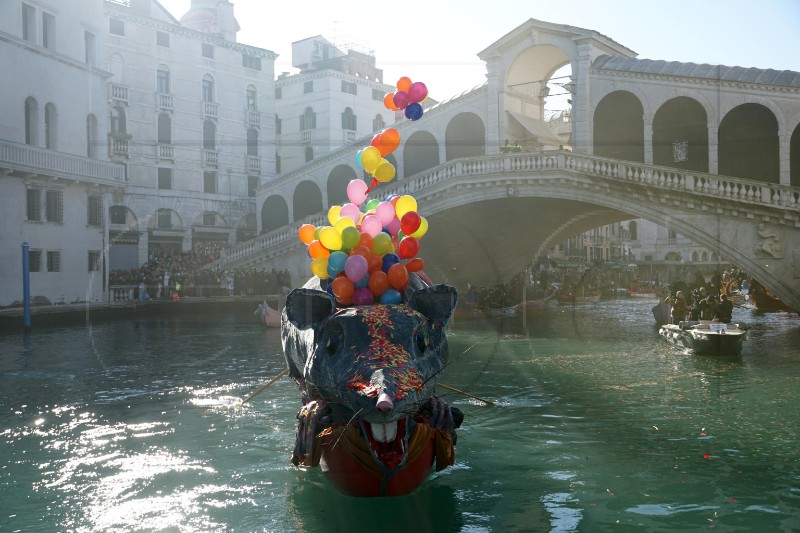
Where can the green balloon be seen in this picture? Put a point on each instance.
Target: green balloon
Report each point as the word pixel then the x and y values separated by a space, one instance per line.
pixel 350 237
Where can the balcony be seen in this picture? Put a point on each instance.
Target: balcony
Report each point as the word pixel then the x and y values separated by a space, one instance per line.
pixel 165 151
pixel 253 117
pixel 210 157
pixel 117 92
pixel 118 147
pixel 306 136
pixel 165 101
pixel 31 160
pixel 349 136
pixel 253 163
pixel 210 110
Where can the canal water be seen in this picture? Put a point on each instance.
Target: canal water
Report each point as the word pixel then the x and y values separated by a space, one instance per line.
pixel 597 425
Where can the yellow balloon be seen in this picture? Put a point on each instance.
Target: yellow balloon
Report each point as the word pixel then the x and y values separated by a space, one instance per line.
pixel 330 238
pixel 423 228
pixel 319 267
pixel 333 214
pixel 405 204
pixel 385 171
pixel 370 159
pixel 344 222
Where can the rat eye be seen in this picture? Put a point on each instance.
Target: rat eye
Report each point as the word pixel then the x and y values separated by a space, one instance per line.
pixel 333 340
pixel 423 342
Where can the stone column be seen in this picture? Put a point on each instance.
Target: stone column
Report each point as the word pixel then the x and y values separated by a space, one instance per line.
pixel 582 112
pixel 495 109
pixel 713 147
pixel 648 138
pixel 784 156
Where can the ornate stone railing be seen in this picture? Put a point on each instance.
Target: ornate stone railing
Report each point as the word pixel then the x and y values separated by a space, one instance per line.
pixel 28 158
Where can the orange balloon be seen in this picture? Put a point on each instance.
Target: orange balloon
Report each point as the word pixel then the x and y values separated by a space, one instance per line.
pixel 306 233
pixel 317 250
pixel 415 265
pixel 404 83
pixel 378 282
pixel 388 101
pixel 343 288
pixel 398 276
pixel 374 263
pixel 388 142
pixel 365 239
pixel 361 250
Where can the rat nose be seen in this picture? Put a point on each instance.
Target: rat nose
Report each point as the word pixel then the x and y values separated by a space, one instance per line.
pixel 384 403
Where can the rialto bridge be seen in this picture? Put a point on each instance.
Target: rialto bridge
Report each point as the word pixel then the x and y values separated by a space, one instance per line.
pixel 710 152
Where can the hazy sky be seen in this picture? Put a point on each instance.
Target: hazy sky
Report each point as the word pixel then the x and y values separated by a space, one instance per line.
pixel 438 42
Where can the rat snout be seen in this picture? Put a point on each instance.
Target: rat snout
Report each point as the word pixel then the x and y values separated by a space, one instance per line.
pixel 384 403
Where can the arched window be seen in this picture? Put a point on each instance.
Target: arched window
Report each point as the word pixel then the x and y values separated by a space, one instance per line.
pixel 164 128
pixel 31 121
pixel 118 120
pixel 162 79
pixel 695 257
pixel 348 120
pixel 308 120
pixel 704 257
pixel 209 135
pixel 252 141
pixel 251 98
pixel 378 123
pixel 208 88
pixel 91 136
pixel 50 126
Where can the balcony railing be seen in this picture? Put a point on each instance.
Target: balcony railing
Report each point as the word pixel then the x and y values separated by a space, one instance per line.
pixel 165 100
pixel 253 163
pixel 349 136
pixel 305 136
pixel 118 92
pixel 210 157
pixel 210 109
pixel 253 117
pixel 119 147
pixel 166 151
pixel 22 157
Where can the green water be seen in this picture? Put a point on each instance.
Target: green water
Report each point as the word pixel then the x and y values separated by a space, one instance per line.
pixel 598 425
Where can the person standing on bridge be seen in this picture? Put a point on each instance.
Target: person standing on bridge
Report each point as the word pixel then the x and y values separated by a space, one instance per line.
pixel 678 307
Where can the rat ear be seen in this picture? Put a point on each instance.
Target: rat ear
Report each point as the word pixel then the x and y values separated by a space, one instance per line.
pixel 309 307
pixel 436 302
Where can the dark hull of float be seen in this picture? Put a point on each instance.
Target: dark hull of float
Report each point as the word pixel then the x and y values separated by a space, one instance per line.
pixel 763 301
pixel 703 341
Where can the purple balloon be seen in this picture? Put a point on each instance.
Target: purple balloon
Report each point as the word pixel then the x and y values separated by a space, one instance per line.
pixel 413 111
pixel 400 99
pixel 362 296
pixel 417 92
pixel 355 268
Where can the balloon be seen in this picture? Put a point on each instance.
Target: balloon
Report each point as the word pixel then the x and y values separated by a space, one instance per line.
pixel 372 204
pixel 381 244
pixel 413 111
pixel 388 101
pixel 403 84
pixel 319 267
pixel 306 233
pixel 317 250
pixel 371 225
pixel 352 211
pixel 330 238
pixel 400 99
pixel 363 282
pixel 357 191
pixel 334 213
pixel 336 261
pixel 344 222
pixel 376 141
pixel 408 247
pixel 389 260
pixel 394 226
pixel 410 222
pixel 374 263
pixel 378 283
pixel 355 267
pixel 423 228
pixel 370 159
pixel 358 158
pixel 391 296
pixel 417 92
pixel 365 239
pixel 398 276
pixel 415 265
pixel 361 250
pixel 385 211
pixel 388 141
pixel 350 235
pixel 362 296
pixel 384 172
pixel 342 288
pixel 405 204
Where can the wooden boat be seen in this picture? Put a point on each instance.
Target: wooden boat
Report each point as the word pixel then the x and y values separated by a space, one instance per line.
pixel 763 300
pixel 706 337
pixel 268 316
pixel 636 290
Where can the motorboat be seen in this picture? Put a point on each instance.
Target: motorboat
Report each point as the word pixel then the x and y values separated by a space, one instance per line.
pixel 706 337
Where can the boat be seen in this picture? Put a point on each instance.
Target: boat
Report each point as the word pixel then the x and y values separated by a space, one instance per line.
pixel 661 312
pixel 268 316
pixel 574 299
pixel 763 300
pixel 636 290
pixel 503 312
pixel 706 337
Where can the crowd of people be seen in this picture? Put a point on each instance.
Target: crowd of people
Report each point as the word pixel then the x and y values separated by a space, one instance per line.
pixel 710 300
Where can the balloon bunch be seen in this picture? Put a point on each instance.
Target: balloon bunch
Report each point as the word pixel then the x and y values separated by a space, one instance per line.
pixel 367 255
pixel 372 158
pixel 408 98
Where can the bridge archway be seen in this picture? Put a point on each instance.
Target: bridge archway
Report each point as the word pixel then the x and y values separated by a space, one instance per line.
pixel 338 179
pixel 420 152
pixel 619 127
pixel 681 119
pixel 465 136
pixel 748 144
pixel 274 213
pixel 307 200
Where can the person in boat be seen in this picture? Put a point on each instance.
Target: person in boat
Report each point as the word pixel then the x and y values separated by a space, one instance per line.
pixel 725 309
pixel 678 307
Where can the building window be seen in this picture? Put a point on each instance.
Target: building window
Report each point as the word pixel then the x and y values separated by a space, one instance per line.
pixel 378 123
pixel 50 127
pixel 277 164
pixel 251 62
pixel 308 120
pixel 118 120
pixel 252 185
pixel 164 178
pixel 164 219
pixel 277 125
pixel 309 154
pixel 209 219
pixel 28 23
pixel 348 120
pixel 53 261
pixel 116 27
pixel 31 121
pixel 252 141
pixel 207 50
pixel 278 93
pixel 118 214
pixel 209 135
pixel 210 182
pixel 35 260
pixel 91 136
pixel 251 98
pixel 94 261
pixel 349 87
pixel 164 128
pixel 33 210
pixel 90 45
pixel 94 211
pixel 162 38
pixel 48 31
pixel 162 80
pixel 308 87
pixel 208 88
pixel 378 95
pixel 54 206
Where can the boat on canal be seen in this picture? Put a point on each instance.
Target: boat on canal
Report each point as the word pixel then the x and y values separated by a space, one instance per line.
pixel 268 316
pixel 706 337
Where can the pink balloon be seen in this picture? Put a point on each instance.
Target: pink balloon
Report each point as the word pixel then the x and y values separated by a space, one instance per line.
pixel 371 225
pixel 362 296
pixel 352 211
pixel 385 211
pixel 394 226
pixel 355 268
pixel 401 99
pixel 417 92
pixel 357 192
